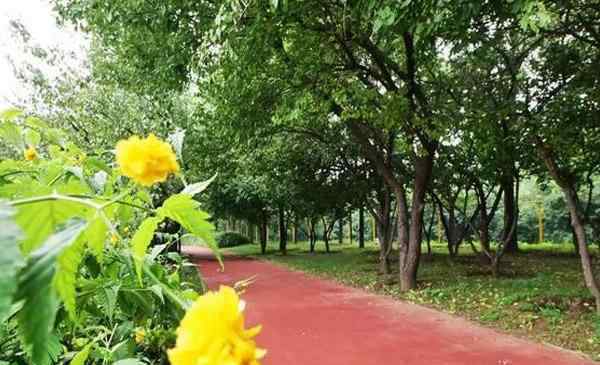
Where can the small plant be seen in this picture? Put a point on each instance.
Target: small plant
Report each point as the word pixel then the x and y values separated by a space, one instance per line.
pixel 232 239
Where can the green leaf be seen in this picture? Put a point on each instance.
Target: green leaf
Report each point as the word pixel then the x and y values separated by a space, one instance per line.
pixel 36 317
pixel 111 295
pixel 40 219
pixel 157 289
pixel 130 361
pixel 32 137
pixel 11 134
pixel 81 356
pixel 37 123
pixel 10 114
pixel 67 265
pixel 184 210
pixel 141 240
pixel 96 236
pixel 55 349
pixel 10 260
pixel 198 187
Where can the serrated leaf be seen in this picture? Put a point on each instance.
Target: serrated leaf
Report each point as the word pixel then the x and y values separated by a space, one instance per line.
pixel 197 188
pixel 10 260
pixel 185 210
pixel 141 240
pixel 40 219
pixel 36 317
pixel 81 356
pixel 96 236
pixel 67 265
pixel 111 295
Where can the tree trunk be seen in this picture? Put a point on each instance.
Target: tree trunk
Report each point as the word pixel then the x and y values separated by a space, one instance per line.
pixel 282 232
pixel 429 229
pixel 361 227
pixel 495 266
pixel 484 227
pixel 385 247
pixel 326 236
pixel 580 235
pixel 295 231
pixel 350 227
pixel 540 213
pixel 571 198
pixel 373 230
pixel 340 231
pixel 508 186
pixel 312 235
pixel 410 244
pixel 264 231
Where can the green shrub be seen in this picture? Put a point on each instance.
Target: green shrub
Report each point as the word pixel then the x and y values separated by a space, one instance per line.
pixel 231 239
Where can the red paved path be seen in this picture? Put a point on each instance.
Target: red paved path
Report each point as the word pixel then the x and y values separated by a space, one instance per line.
pixel 308 321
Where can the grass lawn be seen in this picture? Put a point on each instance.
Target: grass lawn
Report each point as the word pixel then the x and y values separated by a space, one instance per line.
pixel 540 294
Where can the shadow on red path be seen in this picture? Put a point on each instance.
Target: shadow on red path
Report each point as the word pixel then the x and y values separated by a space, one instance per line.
pixel 308 321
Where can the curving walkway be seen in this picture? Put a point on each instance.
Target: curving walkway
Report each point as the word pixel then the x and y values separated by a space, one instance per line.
pixel 309 321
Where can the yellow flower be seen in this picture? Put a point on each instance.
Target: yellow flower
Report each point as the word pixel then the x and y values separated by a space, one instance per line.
pixel 114 239
pixel 146 161
pixel 140 334
pixel 212 333
pixel 30 153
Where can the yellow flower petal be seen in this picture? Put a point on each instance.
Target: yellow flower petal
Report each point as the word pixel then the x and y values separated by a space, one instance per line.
pixel 30 153
pixel 146 161
pixel 212 333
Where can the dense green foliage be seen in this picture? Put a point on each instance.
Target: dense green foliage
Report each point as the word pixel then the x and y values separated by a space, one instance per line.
pixel 78 277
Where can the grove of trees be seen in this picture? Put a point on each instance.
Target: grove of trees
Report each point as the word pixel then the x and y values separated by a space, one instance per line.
pixel 407 112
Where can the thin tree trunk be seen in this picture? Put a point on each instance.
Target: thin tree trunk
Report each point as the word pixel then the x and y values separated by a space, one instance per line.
pixel 295 231
pixel 508 185
pixel 350 227
pixel 570 195
pixel 429 229
pixel 361 227
pixel 312 235
pixel 264 228
pixel 282 232
pixel 373 230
